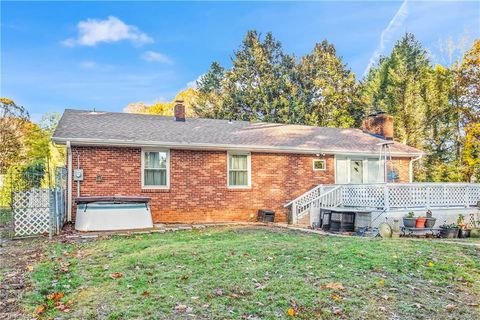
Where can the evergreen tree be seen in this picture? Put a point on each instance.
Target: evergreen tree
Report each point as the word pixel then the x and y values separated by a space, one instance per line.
pixel 257 88
pixel 208 103
pixel 397 85
pixel 328 89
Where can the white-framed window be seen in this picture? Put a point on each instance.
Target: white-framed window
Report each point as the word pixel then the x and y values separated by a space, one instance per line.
pixel 239 173
pixel 319 165
pixel 155 169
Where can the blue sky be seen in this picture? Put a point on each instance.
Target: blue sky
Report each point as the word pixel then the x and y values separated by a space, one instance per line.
pixel 104 55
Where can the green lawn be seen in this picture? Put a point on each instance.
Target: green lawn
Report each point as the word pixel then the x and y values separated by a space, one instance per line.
pixel 256 273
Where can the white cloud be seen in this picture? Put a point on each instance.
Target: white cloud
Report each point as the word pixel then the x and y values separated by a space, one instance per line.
pixel 153 56
pixel 88 64
pixel 93 31
pixel 387 33
pixel 193 84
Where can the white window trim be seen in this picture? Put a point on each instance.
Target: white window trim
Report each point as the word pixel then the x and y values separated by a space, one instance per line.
pixel 324 165
pixel 249 169
pixel 143 168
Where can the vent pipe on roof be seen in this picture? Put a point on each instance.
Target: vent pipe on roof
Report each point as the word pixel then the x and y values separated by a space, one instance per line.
pixel 179 111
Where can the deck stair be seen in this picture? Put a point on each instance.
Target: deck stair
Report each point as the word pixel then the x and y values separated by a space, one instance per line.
pixel 385 197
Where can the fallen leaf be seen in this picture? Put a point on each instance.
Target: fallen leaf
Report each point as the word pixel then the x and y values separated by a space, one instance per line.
pixel 381 282
pixel 218 292
pixel 145 293
pixel 336 297
pixel 55 296
pixel 40 309
pixel 30 268
pixel 116 275
pixel 450 307
pixel 337 311
pixel 180 307
pixel 291 312
pixel 334 286
pixel 430 264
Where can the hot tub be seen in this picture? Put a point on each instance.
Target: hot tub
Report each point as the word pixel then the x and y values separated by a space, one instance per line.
pixel 112 213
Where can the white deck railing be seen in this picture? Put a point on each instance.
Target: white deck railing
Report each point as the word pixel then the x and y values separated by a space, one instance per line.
pixel 387 196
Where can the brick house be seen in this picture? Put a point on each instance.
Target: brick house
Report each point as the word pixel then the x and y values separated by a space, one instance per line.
pixel 206 170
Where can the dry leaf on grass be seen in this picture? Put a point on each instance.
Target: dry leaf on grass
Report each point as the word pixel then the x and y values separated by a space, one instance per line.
pixel 337 311
pixel 450 307
pixel 180 307
pixel 145 293
pixel 116 275
pixel 291 312
pixel 40 309
pixel 218 292
pixel 336 297
pixel 55 296
pixel 334 286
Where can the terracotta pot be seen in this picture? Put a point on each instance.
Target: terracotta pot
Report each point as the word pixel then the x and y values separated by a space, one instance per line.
pixel 420 223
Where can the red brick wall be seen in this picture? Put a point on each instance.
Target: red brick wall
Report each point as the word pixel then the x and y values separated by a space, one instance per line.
pixel 198 182
pixel 402 167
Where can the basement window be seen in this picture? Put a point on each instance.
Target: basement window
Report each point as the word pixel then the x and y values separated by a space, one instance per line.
pixel 319 165
pixel 239 170
pixel 155 169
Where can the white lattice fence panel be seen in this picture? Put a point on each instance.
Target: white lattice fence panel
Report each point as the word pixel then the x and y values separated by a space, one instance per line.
pixel 407 196
pixel 31 212
pixel 474 194
pixel 371 196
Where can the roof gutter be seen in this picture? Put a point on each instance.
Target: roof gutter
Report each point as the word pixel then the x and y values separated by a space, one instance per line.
pixel 209 146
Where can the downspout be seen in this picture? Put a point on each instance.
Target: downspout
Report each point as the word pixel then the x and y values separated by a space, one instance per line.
pixel 411 167
pixel 69 182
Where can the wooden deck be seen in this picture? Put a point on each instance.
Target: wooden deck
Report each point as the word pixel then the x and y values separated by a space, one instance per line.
pixel 388 199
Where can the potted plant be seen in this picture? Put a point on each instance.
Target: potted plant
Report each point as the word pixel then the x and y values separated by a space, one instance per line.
pixel 449 230
pixel 430 222
pixel 409 220
pixel 463 232
pixel 475 231
pixel 420 222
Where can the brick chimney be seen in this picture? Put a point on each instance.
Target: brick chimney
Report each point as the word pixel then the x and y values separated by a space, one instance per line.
pixel 379 124
pixel 179 111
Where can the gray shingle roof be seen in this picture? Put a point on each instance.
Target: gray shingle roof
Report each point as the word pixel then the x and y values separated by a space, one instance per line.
pixel 114 128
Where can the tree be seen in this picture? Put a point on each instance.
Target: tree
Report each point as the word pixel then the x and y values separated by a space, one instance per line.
pixel 265 84
pixel 12 119
pixel 471 151
pixel 166 108
pixel 470 81
pixel 209 98
pixel 257 87
pixel 328 89
pixel 397 85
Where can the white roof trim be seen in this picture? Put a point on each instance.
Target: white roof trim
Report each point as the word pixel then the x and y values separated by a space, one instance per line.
pixel 209 146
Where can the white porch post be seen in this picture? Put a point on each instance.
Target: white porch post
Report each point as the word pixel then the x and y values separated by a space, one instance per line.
pixel 386 196
pixel 294 213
